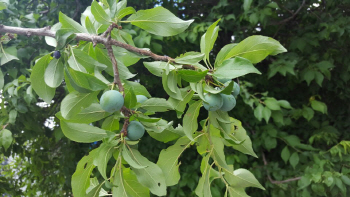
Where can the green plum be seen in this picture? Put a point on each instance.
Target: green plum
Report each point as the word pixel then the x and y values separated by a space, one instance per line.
pixel 229 102
pixel 212 102
pixel 236 89
pixel 112 101
pixel 141 98
pixel 135 130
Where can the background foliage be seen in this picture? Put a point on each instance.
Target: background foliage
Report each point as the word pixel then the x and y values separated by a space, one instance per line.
pixel 307 140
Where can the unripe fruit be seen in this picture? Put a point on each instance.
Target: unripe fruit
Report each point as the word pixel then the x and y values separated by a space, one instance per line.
pixel 141 98
pixel 229 102
pixel 56 54
pixel 112 101
pixel 135 130
pixel 236 89
pixel 212 102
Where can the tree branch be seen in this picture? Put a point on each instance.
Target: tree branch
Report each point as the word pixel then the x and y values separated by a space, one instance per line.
pixel 274 181
pixel 290 18
pixel 85 37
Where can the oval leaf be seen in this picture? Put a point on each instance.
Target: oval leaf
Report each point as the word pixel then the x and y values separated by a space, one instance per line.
pixel 159 21
pixel 83 133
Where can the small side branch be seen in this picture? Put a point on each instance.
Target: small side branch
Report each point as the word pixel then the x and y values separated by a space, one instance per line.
pixel 274 181
pixel 291 17
pixel 115 68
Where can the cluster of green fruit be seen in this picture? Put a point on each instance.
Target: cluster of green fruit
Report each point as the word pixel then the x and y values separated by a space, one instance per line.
pixel 112 101
pixel 222 102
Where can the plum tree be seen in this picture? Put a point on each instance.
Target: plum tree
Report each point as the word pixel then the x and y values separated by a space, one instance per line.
pixel 112 101
pixel 236 89
pixel 229 102
pixel 141 98
pixel 212 102
pixel 135 130
pixel 57 54
pixel 92 58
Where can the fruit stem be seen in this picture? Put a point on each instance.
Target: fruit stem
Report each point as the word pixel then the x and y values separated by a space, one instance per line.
pixel 124 131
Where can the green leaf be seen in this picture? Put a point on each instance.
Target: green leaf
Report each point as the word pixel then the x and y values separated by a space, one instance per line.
pixel 236 67
pixel 256 48
pixel 73 103
pixel 130 98
pixel 222 53
pixel 168 134
pixel 172 82
pixel 178 105
pixel 128 58
pixel 3 6
pixel 81 177
pixel 89 26
pixel 132 186
pixel 159 21
pixel 8 54
pixel 156 105
pixel 258 112
pixel 270 142
pixel 71 85
pixel 99 13
pixel 83 133
pixel 54 73
pixel 319 106
pixel 129 186
pixel 241 178
pixel 6 138
pixel 12 116
pixel 218 151
pixel 38 82
pixel 168 161
pixel 209 39
pixel 86 80
pixel 111 123
pixel 233 191
pixel 102 57
pixel 63 37
pixel 190 122
pixel 308 113
pixel 80 61
pixel 69 23
pixel 90 114
pixel 285 154
pixel 175 93
pixel 130 158
pixel 151 177
pixel 52 41
pixel 345 179
pixel 272 104
pixel 294 159
pixel 137 88
pixel 2 81
pixel 240 134
pixel 157 68
pixel 95 191
pixel 105 152
pixel 266 113
pixel 157 127
pixel 192 75
pixel 203 187
pixel 284 104
pixel 309 75
pixel 125 11
pixel 189 58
